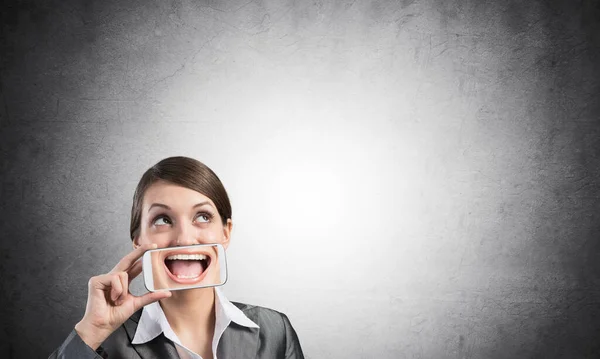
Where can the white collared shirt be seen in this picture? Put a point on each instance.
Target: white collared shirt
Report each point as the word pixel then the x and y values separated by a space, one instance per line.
pixel 153 322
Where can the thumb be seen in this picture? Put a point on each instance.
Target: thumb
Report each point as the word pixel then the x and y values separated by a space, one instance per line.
pixel 148 298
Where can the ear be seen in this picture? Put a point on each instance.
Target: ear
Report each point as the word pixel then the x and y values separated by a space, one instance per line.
pixel 227 233
pixel 136 242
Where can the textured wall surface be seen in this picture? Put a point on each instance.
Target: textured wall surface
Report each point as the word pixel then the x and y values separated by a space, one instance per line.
pixel 409 179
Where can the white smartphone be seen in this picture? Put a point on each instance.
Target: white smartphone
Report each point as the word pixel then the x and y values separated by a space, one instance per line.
pixel 187 267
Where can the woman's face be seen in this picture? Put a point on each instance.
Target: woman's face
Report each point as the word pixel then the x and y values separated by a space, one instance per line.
pixel 174 216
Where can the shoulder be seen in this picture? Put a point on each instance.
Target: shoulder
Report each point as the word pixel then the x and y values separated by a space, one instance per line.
pixel 267 319
pixel 259 312
pixel 276 331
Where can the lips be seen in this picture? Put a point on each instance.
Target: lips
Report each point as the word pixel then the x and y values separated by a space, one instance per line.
pixel 187 266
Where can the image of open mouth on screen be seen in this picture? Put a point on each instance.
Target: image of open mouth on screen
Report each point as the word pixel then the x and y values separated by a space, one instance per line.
pixel 177 268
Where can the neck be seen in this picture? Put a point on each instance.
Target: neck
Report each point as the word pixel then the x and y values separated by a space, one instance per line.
pixel 191 311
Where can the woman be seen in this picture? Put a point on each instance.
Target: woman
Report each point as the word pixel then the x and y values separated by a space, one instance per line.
pixel 177 202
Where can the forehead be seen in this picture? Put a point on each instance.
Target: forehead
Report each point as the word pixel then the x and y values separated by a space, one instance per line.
pixel 173 195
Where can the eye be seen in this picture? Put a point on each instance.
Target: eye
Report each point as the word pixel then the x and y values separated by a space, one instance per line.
pixel 203 217
pixel 161 220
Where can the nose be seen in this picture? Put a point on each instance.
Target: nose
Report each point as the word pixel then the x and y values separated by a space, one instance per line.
pixel 186 235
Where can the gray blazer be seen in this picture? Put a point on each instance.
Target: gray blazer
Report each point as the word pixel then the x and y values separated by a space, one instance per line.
pixel 276 339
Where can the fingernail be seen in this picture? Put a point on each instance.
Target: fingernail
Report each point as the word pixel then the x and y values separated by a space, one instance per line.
pixel 154 246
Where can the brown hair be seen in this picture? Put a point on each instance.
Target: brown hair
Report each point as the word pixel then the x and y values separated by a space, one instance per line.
pixel 182 171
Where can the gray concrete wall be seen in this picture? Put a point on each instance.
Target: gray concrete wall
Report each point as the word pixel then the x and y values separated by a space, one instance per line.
pixel 411 179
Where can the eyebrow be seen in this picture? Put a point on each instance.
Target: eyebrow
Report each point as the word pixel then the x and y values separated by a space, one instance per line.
pixel 167 207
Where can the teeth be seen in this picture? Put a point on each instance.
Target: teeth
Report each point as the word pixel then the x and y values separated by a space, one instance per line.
pixel 186 276
pixel 193 257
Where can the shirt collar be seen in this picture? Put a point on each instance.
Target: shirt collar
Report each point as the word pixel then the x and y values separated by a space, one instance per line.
pixel 232 312
pixel 153 321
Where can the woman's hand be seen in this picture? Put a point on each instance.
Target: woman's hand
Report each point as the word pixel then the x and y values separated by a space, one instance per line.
pixel 110 303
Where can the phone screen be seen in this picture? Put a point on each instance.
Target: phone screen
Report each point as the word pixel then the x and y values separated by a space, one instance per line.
pixel 177 268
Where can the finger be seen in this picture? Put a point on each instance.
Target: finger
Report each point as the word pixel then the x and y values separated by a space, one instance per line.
pixel 126 262
pixel 135 270
pixel 125 285
pixel 148 298
pixel 116 287
pixel 101 282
